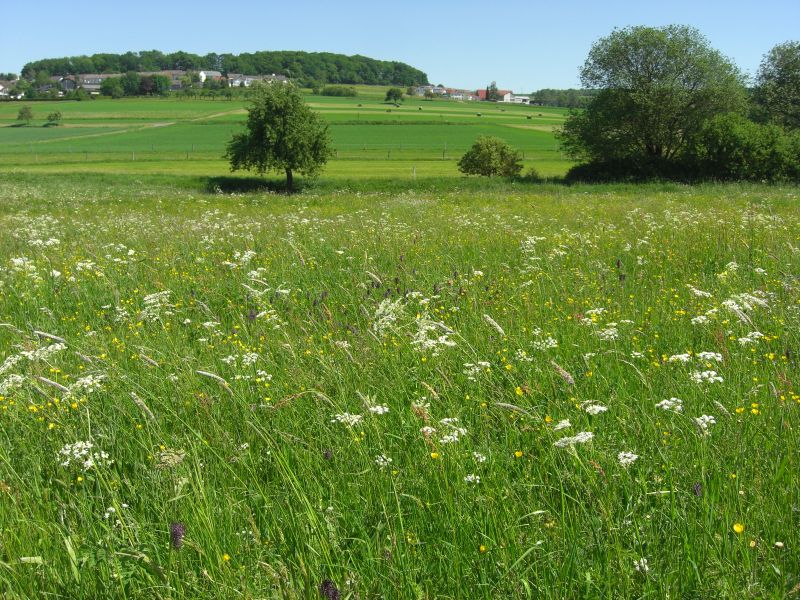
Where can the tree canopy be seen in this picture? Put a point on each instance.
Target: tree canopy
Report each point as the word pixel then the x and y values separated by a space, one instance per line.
pixel 777 90
pixel 657 87
pixel 283 134
pixel 321 67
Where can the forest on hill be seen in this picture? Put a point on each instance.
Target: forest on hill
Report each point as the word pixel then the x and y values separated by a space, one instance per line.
pixel 304 67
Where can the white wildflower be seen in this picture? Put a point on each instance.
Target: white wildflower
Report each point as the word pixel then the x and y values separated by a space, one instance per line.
pixel 581 438
pixel 378 409
pixel 479 458
pixel 595 409
pixel 83 455
pixel 472 478
pixel 626 459
pixel 683 358
pixel 563 424
pixel 348 419
pixel 704 422
pixel 707 377
pixel 383 461
pixel 673 404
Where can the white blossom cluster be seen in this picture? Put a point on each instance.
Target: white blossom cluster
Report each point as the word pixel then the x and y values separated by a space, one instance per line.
pixel 580 438
pixel 83 455
pixel 348 419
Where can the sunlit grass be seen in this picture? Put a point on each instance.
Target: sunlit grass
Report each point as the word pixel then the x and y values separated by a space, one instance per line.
pixel 220 342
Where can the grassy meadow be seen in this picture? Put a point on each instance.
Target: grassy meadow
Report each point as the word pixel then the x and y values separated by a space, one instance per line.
pixel 417 139
pixel 397 383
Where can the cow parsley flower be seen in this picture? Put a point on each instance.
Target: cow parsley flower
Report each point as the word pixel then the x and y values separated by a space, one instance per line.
pixel 683 358
pixel 83 455
pixel 348 419
pixel 472 478
pixel 383 461
pixel 581 438
pixel 595 409
pixel 563 424
pixel 378 409
pixel 706 377
pixel 673 404
pixel 626 459
pixel 704 422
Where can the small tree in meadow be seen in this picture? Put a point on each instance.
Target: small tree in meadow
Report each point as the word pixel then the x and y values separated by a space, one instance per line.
pixel 54 118
pixel 283 134
pixel 25 114
pixel 491 156
pixel 394 95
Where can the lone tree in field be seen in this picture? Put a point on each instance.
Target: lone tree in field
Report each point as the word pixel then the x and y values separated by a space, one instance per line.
pixel 777 90
pixel 394 95
pixel 283 134
pixel 490 156
pixel 54 118
pixel 25 114
pixel 657 88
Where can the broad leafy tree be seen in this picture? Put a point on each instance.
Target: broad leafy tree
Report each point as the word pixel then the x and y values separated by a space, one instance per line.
pixel 491 156
pixel 394 95
pixel 657 88
pixel 778 85
pixel 25 114
pixel 283 134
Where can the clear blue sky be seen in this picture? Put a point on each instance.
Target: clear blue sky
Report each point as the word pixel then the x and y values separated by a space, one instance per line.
pixel 523 45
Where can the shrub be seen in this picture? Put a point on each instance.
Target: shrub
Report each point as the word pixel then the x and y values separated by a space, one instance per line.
pixel 339 90
pixel 731 147
pixel 491 156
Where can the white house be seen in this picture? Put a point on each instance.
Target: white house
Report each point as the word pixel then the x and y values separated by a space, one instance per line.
pixel 512 98
pixel 4 87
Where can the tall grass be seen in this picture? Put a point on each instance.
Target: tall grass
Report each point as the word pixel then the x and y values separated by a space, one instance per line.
pixel 367 390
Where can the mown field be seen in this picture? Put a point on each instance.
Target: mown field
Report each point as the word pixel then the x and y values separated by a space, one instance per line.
pixel 417 139
pixel 444 390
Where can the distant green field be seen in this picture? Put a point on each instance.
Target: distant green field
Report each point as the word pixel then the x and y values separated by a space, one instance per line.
pixel 371 138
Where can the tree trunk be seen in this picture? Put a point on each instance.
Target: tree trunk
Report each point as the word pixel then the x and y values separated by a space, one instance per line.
pixel 289 181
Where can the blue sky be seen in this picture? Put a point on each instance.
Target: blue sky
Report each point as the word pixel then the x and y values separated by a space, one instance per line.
pixel 523 45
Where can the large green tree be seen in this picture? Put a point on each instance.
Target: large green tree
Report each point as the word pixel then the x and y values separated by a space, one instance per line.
pixel 777 90
pixel 657 87
pixel 283 134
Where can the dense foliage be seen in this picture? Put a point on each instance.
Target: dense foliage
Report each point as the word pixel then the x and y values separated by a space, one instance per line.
pixel 133 84
pixel 324 67
pixel 777 93
pixel 283 134
pixel 340 91
pixel 670 106
pixel 569 98
pixel 490 156
pixel 657 86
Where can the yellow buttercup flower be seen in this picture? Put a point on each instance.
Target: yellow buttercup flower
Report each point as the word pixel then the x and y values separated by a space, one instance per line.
pixel 738 528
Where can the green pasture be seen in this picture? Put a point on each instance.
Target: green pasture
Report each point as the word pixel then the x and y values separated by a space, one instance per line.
pixel 371 138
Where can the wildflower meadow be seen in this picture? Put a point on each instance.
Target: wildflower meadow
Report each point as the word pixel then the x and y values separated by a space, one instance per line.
pixel 559 392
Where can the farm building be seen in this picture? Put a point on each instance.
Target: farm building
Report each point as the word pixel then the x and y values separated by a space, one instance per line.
pixel 91 82
pixel 501 94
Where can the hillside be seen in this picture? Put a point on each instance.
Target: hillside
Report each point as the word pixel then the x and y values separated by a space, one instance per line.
pixel 305 67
